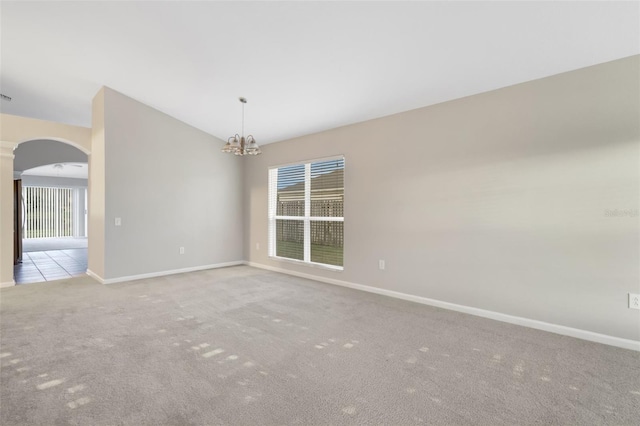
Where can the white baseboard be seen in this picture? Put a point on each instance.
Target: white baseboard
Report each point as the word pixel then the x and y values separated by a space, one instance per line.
pixel 7 284
pixel 95 276
pixel 525 322
pixel 161 273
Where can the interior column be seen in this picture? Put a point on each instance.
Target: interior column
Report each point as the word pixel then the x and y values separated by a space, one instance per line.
pixel 6 213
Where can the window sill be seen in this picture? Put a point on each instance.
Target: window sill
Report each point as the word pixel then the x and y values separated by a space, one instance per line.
pixel 311 264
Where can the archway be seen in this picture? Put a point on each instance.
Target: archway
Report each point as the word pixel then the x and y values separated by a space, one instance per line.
pixel 50 211
pixel 15 130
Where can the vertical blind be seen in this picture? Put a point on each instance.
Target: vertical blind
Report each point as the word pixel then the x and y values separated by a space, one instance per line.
pixel 48 212
pixel 306 212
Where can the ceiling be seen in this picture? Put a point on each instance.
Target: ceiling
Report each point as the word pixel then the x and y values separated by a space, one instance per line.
pixel 304 66
pixel 67 170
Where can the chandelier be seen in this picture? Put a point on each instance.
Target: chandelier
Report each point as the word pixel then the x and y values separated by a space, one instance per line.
pixel 238 145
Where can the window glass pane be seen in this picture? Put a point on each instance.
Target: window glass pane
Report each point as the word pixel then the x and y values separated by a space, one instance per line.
pixel 290 196
pixel 290 239
pixel 327 188
pixel 327 240
pixel 318 186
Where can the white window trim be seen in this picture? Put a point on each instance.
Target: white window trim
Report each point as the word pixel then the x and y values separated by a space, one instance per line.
pixel 272 217
pixel 307 212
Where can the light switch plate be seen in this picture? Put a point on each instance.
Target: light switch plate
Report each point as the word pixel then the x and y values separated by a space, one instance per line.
pixel 634 301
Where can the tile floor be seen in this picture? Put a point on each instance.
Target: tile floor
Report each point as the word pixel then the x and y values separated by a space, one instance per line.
pixel 50 265
pixel 56 243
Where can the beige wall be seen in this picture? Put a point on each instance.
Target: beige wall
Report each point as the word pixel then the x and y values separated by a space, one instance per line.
pixel 97 190
pixel 20 129
pixel 496 201
pixel 6 213
pixel 170 185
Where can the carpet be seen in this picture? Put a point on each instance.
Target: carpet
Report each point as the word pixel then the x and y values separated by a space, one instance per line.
pixel 243 346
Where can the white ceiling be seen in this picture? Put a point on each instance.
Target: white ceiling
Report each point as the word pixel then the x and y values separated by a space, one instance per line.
pixel 304 66
pixel 67 170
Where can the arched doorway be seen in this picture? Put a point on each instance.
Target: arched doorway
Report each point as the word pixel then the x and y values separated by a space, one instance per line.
pixel 50 211
pixel 15 130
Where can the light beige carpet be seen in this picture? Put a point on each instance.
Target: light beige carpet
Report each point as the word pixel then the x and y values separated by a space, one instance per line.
pixel 244 346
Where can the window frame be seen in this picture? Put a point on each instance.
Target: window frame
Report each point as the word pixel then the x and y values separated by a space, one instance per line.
pixel 272 216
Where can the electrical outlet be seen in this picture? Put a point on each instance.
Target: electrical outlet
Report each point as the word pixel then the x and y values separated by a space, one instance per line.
pixel 118 221
pixel 634 301
pixel 181 250
pixel 381 264
pixel 257 246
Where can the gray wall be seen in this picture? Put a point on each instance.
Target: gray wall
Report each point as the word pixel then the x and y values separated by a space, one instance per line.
pixel 497 201
pixel 171 186
pixel 53 181
pixel 41 152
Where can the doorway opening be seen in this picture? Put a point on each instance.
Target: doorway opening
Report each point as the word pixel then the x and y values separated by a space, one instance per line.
pixel 51 203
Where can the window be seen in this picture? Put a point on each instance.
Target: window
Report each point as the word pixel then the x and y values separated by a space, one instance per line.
pixel 306 212
pixel 49 212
